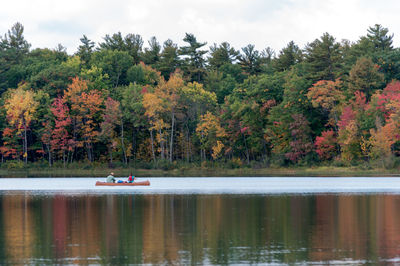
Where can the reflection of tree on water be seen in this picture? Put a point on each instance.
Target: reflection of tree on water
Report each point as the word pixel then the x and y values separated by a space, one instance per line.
pixel 19 237
pixel 198 229
pixel 60 232
pixel 159 236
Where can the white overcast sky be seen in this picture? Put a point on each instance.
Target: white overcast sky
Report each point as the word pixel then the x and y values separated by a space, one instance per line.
pixel 263 23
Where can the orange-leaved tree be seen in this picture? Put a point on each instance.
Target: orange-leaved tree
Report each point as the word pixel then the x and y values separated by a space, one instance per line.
pixel 86 109
pixel 328 95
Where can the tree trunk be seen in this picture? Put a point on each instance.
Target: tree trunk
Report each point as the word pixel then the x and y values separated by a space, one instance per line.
pixel 88 150
pixel 116 84
pixel 25 146
pixel 123 143
pixel 201 149
pixel 110 153
pixel 247 150
pixel 187 145
pixel 152 145
pixel 49 153
pixel 161 145
pixel 172 137
pixel 134 143
pixel 74 141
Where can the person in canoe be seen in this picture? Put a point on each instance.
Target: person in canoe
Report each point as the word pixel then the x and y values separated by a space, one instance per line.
pixel 110 178
pixel 131 178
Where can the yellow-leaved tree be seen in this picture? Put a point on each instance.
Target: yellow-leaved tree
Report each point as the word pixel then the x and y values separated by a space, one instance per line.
pixel 211 134
pixel 161 106
pixel 20 107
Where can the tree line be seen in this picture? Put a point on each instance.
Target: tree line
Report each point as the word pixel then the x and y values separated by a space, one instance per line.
pixel 121 101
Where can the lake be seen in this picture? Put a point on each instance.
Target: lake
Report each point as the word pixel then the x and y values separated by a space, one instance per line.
pixel 201 221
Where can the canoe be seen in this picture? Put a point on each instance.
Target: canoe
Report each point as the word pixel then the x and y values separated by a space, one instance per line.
pixel 141 183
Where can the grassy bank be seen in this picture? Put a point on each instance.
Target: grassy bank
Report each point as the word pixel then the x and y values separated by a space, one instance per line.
pixel 196 172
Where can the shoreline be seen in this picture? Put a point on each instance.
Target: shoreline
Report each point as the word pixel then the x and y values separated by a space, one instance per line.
pixel 322 171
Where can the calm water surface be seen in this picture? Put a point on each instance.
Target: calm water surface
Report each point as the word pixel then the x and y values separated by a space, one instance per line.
pixel 195 228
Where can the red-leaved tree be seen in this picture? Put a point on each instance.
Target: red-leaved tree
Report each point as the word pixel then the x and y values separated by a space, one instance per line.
pixel 61 140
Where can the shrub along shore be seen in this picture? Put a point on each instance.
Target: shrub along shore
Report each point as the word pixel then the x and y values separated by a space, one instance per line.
pixel 87 170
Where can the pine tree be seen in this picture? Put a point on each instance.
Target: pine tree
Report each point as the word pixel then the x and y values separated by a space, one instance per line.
pixel 323 57
pixel 380 38
pixel 194 60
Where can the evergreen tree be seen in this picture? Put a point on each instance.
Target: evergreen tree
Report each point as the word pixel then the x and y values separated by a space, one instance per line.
pixel 13 50
pixel 113 42
pixel 288 56
pixel 250 60
pixel 380 38
pixel 221 55
pixel 151 55
pixel 131 43
pixel 134 45
pixel 266 57
pixel 169 59
pixel 194 60
pixel 85 50
pixel 324 58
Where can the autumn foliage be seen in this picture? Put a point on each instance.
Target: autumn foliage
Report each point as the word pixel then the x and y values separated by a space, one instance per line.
pixel 122 103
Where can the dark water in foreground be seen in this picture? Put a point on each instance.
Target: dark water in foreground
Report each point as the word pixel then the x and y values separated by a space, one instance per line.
pixel 199 229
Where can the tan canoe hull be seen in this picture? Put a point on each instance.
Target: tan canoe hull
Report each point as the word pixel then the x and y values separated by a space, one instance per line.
pixel 141 183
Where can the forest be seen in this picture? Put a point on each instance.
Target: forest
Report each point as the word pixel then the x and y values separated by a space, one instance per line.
pixel 125 102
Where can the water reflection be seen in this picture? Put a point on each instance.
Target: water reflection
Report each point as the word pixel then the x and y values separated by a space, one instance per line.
pixel 199 229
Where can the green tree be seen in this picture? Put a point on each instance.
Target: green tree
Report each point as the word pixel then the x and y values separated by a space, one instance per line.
pixel 151 55
pixel 144 75
pixel 131 43
pixel 133 114
pixel 85 50
pixel 288 56
pixel 134 46
pixel 54 77
pixel 169 59
pixel 115 64
pixel 380 38
pixel 41 126
pixel 193 58
pixel 221 55
pixel 96 79
pixel 250 60
pixel 388 63
pixel 323 57
pixel 267 55
pixel 13 50
pixel 364 76
pixel 246 113
pixel 220 83
pixel 194 101
pixel 294 102
pixel 14 41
